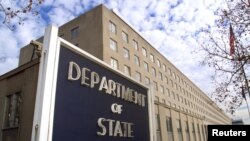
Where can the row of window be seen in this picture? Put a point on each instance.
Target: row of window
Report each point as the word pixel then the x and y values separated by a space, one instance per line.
pixel 113 46
pixel 113 29
pixel 127 71
pixel 126 54
pixel 170 134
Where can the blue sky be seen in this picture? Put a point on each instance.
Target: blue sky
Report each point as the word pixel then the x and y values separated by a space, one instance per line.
pixel 169 25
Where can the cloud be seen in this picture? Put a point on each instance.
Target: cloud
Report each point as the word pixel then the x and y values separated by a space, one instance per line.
pixel 168 25
pixel 171 26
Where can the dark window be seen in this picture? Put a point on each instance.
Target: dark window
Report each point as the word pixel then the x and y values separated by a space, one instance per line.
pixel 74 32
pixel 13 106
pixel 158 130
pixel 170 129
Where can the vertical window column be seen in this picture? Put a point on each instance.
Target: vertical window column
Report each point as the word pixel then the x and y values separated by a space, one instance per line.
pixel 157 127
pixel 193 131
pixel 187 131
pixel 179 129
pixel 169 129
pixel 13 106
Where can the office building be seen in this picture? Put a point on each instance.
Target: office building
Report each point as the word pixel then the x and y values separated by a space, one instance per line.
pixel 182 110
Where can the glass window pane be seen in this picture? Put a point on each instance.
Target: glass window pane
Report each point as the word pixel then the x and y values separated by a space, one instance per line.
pixel 114 63
pixel 113 45
pixel 126 53
pixel 145 66
pixel 144 52
pixel 151 57
pixel 124 36
pixel 74 32
pixel 112 27
pixel 137 61
pixel 138 76
pixel 135 45
pixel 127 70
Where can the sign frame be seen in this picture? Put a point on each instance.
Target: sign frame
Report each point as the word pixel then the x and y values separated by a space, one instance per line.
pixel 42 128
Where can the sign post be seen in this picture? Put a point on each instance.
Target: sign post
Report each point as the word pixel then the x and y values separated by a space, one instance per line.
pixel 80 97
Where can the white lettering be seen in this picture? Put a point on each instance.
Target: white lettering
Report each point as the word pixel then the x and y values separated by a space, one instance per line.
pixel 94 80
pixel 73 65
pixel 84 76
pixel 104 84
pixel 115 128
pixel 215 131
pixel 104 131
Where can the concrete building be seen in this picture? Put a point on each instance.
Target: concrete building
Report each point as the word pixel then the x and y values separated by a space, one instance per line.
pixel 182 110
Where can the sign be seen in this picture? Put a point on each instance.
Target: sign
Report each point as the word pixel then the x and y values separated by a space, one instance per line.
pixel 91 101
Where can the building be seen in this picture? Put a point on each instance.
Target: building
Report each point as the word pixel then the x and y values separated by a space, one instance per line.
pixel 238 122
pixel 182 110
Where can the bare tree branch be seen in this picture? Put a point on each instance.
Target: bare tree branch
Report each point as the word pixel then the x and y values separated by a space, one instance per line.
pixel 230 71
pixel 10 11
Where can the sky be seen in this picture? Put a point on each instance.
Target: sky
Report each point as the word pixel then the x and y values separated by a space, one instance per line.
pixel 171 26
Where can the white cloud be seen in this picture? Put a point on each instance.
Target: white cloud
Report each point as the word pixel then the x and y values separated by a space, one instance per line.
pixel 59 16
pixel 9 64
pixel 169 25
pixel 8 44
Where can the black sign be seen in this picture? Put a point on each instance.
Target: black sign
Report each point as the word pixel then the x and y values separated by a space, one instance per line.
pixel 228 132
pixel 94 103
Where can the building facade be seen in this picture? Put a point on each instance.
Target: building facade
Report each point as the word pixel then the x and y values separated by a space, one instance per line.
pixel 182 110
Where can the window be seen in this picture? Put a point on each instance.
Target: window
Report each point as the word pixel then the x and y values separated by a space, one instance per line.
pixel 162 89
pixel 147 81
pixel 174 75
pixel 135 45
pixel 203 131
pixel 113 45
pixel 172 83
pixel 74 32
pixel 158 63
pixel 169 72
pixel 160 76
pixel 77 44
pixel 178 78
pixel 173 94
pixel 151 58
pixel 145 64
pixel 157 126
pixel 112 27
pixel 169 129
pixel 178 99
pixel 127 70
pixel 13 109
pixel 137 60
pixel 155 85
pixel 198 130
pixel 179 130
pixel 114 63
pixel 153 72
pixel 124 36
pixel 168 92
pixel 166 78
pixel 193 131
pixel 126 53
pixel 144 52
pixel 164 67
pixel 138 76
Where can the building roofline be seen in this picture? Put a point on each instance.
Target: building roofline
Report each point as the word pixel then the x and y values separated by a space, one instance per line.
pixel 143 37
pixel 20 69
